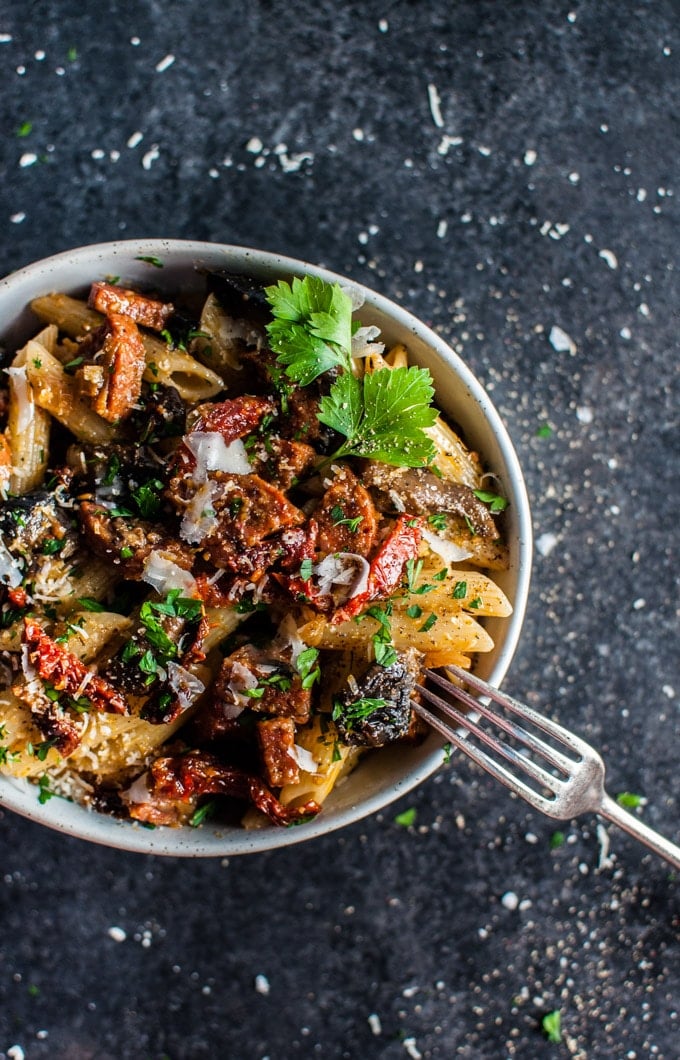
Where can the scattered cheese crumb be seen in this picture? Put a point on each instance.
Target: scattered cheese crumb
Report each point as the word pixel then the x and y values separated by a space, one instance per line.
pixel 383 25
pixel 510 900
pixel 135 139
pixel 530 157
pixel 150 157
pixel 262 985
pixel 375 1024
pixel 411 1048
pixel 98 153
pixel 448 141
pixel 546 543
pixel 584 414
pixel 5 38
pixel 15 1052
pixel 165 63
pixel 28 159
pixel 610 258
pixel 117 934
pixel 442 228
pixel 358 134
pixel 643 309
pixel 625 333
pixel 17 218
pixel 574 178
pixel 435 106
pixel 668 691
pixel 641 195
pixel 254 145
pixel 561 341
pixel 639 604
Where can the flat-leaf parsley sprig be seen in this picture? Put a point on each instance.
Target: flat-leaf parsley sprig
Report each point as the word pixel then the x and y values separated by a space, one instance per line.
pixel 385 415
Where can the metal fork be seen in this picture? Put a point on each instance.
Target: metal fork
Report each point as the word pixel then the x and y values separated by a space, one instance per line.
pixel 580 787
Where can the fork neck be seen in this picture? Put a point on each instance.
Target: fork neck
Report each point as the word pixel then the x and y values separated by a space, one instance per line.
pixel 635 827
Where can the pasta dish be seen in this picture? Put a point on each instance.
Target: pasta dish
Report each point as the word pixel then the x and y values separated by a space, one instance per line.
pixel 232 535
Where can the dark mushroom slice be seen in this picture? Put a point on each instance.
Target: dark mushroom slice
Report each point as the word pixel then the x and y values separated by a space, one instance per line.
pixel 376 709
pixel 421 492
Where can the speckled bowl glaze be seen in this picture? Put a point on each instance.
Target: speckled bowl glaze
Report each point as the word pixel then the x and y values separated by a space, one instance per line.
pixel 382 777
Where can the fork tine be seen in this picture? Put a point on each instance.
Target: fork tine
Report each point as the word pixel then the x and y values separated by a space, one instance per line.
pixel 490 765
pixel 550 754
pixel 539 720
pixel 527 765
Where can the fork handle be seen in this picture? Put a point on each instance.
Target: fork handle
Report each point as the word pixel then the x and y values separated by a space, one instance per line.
pixel 635 827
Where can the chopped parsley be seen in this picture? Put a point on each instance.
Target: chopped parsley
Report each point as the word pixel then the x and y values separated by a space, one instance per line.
pixel 544 431
pixel 203 813
pixel 447 749
pixel 551 1025
pixel 629 800
pixel 385 654
pixel 89 604
pixel 459 591
pixel 306 569
pixel 305 666
pixel 438 521
pixel 428 623
pixel 496 503
pixel 52 545
pixel 45 792
pixel 557 839
pixel 25 129
pixel 356 711
pixel 414 611
pixel 407 818
pixel 476 603
pixel 150 259
pixel 148 499
pixel 339 519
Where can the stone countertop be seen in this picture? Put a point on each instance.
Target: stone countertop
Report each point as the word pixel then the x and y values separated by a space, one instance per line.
pixel 509 173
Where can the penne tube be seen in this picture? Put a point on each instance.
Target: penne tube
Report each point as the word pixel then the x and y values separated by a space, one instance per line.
pixel 28 426
pixel 450 631
pixel 57 393
pixel 170 367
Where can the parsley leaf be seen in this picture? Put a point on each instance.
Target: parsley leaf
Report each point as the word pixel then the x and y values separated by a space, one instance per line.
pixel 383 419
pixel 312 327
pixel 494 500
pixel 406 819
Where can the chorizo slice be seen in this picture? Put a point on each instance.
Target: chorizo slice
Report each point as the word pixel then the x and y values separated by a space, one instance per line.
pixel 346 516
pixel 122 363
pixel 276 737
pixel 129 542
pixel 107 298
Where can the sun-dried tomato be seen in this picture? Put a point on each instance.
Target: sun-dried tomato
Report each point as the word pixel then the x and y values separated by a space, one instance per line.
pixel 194 774
pixel 66 673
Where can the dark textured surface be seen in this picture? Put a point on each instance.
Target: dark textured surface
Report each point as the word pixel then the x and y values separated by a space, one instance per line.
pixel 559 141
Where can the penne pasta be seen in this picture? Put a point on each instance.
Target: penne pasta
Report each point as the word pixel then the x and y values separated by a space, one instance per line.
pixel 28 427
pixel 55 392
pixel 170 367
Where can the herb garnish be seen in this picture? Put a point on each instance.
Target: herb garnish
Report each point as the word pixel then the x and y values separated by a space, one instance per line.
pixel 407 818
pixel 496 503
pixel 385 415
pixel 304 664
pixel 150 259
pixel 357 710
pixel 339 519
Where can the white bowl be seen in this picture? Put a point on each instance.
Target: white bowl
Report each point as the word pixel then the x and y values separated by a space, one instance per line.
pixel 380 778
